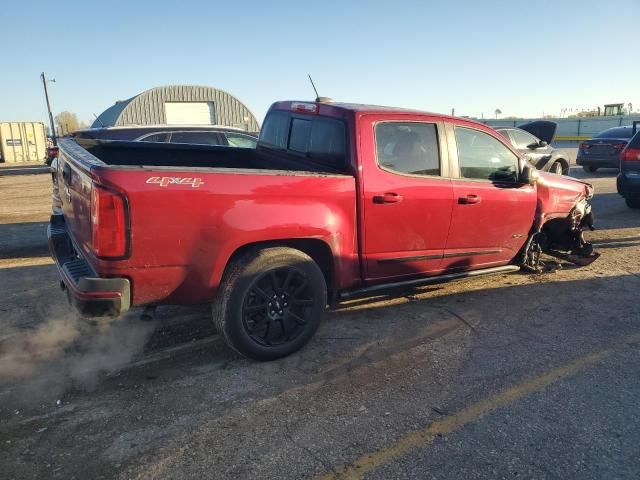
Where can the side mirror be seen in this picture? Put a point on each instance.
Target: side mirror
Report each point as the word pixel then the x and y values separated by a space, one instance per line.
pixel 538 144
pixel 528 174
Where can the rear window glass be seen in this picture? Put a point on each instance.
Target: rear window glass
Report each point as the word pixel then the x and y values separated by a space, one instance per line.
pixel 300 134
pixel 320 139
pixel 635 141
pixel 275 130
pixel 617 132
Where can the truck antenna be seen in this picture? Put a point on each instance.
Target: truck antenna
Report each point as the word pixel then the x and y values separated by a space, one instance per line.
pixel 314 87
pixel 98 119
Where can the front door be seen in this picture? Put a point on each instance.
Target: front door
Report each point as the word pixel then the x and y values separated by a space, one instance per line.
pixel 493 212
pixel 407 200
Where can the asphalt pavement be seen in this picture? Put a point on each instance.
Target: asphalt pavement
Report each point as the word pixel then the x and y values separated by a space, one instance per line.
pixel 511 376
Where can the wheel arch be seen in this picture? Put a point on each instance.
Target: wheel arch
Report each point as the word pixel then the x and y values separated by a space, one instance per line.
pixel 565 165
pixel 319 251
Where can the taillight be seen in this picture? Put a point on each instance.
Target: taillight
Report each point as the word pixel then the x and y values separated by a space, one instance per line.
pixel 619 146
pixel 583 146
pixel 630 155
pixel 108 223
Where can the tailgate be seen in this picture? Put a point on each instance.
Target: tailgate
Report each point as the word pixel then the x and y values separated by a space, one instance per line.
pixel 74 185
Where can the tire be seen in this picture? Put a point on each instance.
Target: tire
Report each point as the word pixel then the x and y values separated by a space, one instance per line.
pixel 557 168
pixel 632 202
pixel 589 168
pixel 270 303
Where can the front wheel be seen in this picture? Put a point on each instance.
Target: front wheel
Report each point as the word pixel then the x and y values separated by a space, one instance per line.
pixel 589 168
pixel 557 168
pixel 270 303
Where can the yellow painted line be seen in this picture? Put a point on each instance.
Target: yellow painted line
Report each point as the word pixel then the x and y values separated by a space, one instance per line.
pixel 24 262
pixel 425 436
pixel 569 138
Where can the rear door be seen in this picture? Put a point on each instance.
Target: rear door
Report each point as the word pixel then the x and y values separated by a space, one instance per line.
pixel 407 197
pixel 493 212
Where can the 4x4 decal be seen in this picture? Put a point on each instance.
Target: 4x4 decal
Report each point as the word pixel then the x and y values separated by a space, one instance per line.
pixel 166 181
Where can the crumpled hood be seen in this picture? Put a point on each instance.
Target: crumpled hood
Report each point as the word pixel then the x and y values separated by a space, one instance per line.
pixel 557 194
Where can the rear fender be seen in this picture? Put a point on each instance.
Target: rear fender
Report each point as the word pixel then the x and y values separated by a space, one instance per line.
pixel 299 226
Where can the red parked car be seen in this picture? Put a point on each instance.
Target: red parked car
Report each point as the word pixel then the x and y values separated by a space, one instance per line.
pixel 337 200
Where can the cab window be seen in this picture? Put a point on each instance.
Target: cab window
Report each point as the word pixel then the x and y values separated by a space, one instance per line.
pixel 240 141
pixel 196 138
pixel 408 147
pixel 155 137
pixel 483 157
pixel 522 139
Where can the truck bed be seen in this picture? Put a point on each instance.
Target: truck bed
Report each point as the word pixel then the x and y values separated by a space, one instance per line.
pixel 189 208
pixel 131 153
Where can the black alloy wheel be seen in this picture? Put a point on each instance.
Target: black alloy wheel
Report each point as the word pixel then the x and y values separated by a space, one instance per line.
pixel 270 302
pixel 278 306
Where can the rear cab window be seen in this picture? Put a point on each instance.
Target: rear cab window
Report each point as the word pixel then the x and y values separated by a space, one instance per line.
pixel 321 140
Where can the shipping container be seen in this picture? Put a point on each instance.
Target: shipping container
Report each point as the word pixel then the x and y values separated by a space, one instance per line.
pixel 22 142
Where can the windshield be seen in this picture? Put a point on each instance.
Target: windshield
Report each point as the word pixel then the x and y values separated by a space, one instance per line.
pixel 618 132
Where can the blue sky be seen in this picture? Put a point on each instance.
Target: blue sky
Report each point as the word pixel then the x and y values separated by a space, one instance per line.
pixel 526 58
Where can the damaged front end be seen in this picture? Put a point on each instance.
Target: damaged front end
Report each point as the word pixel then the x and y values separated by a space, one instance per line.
pixel 562 238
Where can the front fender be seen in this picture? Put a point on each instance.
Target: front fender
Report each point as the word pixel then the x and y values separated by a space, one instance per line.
pixel 557 196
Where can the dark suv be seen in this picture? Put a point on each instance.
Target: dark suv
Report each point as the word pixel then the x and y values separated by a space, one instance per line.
pixel 603 150
pixel 629 176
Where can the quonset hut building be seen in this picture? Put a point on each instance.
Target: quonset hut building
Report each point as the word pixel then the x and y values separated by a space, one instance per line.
pixel 179 105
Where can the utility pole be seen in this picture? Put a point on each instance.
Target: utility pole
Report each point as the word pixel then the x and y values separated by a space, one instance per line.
pixel 43 76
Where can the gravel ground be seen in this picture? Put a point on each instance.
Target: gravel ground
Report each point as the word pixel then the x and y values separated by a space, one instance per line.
pixel 510 376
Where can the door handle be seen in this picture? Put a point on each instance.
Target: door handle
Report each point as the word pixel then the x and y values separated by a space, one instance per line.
pixel 469 200
pixel 388 197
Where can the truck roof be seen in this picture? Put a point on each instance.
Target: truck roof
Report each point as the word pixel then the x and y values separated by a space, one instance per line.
pixel 327 107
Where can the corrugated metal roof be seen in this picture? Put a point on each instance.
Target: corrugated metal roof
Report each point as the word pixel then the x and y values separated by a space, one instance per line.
pixel 147 108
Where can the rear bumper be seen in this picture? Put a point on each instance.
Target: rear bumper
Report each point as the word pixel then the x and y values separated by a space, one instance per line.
pixel 628 183
pixel 90 294
pixel 600 162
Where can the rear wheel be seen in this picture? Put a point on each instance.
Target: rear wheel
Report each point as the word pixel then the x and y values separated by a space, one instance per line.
pixel 589 168
pixel 632 202
pixel 270 302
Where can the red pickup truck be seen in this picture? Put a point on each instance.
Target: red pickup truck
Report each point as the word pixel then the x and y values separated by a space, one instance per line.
pixel 337 200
